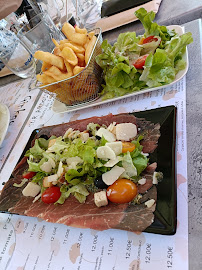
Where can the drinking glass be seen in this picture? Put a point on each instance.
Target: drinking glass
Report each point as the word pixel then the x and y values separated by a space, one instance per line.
pixel 50 6
pixel 88 12
pixel 37 34
pixel 15 55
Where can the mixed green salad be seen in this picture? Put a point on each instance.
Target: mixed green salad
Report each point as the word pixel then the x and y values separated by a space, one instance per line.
pixel 145 61
pixel 82 162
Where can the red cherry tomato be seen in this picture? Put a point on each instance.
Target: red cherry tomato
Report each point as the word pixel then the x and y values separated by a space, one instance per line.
pixel 28 175
pixel 140 62
pixel 150 39
pixel 122 191
pixel 51 194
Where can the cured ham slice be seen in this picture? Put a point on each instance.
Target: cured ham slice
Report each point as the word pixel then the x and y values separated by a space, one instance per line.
pixel 131 217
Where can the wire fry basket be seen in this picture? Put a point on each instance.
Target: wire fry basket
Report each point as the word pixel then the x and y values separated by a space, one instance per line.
pixel 83 87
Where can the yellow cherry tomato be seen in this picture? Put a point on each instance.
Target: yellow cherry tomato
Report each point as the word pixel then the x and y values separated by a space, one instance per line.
pixel 127 146
pixel 122 191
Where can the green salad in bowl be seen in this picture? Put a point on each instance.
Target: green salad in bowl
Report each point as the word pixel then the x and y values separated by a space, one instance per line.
pixel 145 61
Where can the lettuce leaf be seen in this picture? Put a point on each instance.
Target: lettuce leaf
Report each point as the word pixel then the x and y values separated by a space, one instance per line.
pixel 79 191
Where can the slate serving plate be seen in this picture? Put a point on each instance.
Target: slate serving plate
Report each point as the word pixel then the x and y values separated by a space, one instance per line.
pixel 165 220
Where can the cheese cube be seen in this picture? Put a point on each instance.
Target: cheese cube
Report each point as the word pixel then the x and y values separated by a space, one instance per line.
pixel 100 198
pixel 142 181
pixel 150 203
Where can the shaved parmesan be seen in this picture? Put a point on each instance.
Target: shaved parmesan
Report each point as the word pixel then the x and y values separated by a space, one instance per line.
pixel 60 169
pixel 111 176
pixel 116 147
pixel 31 189
pixel 52 178
pixel 46 167
pixel 112 162
pixel 126 131
pixel 110 137
pixel 104 152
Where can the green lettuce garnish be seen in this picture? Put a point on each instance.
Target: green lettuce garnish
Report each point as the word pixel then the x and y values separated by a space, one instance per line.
pixel 79 191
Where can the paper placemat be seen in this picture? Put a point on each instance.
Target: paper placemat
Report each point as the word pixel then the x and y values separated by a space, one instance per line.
pixel 20 103
pixel 30 243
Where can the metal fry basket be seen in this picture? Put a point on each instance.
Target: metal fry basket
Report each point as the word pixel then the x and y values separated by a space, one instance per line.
pixel 83 87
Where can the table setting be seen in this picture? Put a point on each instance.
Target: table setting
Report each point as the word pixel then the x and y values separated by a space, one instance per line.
pixel 87 85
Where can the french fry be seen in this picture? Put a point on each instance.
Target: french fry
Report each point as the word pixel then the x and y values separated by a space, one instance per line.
pixel 69 58
pixel 56 74
pixel 69 55
pixel 45 66
pixel 64 41
pixel 71 34
pixel 55 42
pixel 45 79
pixel 68 30
pixel 89 49
pixel 79 38
pixel 80 31
pixel 77 70
pixel 80 56
pixel 91 34
pixel 75 47
pixel 52 59
pixel 57 51
pixel 68 66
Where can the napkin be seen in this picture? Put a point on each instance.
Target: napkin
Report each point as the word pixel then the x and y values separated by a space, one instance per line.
pixel 126 17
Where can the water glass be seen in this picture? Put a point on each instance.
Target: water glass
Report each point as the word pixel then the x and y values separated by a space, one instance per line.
pixel 88 12
pixel 15 55
pixel 37 34
pixel 50 6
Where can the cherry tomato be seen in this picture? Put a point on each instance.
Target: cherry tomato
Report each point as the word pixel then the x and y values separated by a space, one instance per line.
pixel 122 191
pixel 141 40
pixel 28 175
pixel 140 62
pixel 127 146
pixel 51 194
pixel 150 39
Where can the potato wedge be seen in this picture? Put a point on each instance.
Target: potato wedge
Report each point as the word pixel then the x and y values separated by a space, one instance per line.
pixel 78 38
pixel 80 56
pixel 50 58
pixel 69 55
pixel 80 31
pixel 75 47
pixel 45 79
pixel 45 66
pixel 68 30
pixel 64 41
pixel 91 34
pixel 71 34
pixel 77 70
pixel 89 49
pixel 56 74
pixel 68 66
pixel 57 51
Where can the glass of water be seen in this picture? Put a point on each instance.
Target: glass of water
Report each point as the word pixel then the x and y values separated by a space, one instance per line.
pixel 37 34
pixel 15 55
